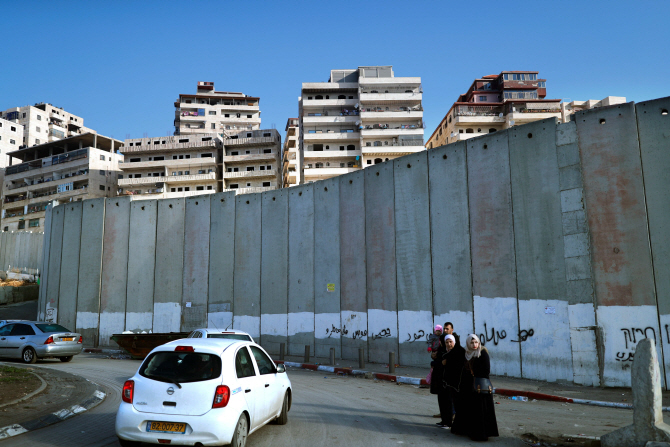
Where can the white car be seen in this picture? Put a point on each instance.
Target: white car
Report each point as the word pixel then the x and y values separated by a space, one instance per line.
pixel 202 392
pixel 231 334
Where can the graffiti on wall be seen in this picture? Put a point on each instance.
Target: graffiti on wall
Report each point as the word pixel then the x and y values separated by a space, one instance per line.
pixel 631 336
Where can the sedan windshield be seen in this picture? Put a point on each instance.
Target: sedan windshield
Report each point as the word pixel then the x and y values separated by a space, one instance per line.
pixel 181 367
pixel 51 327
pixel 230 336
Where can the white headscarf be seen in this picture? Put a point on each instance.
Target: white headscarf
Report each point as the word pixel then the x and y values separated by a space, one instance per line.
pixel 469 352
pixel 448 337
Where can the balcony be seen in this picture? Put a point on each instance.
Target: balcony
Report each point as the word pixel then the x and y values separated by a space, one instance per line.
pixel 167 179
pixel 168 147
pixel 331 136
pixel 250 174
pixel 327 172
pixel 252 189
pixel 312 103
pixel 330 119
pixel 47 162
pixel 253 141
pixel 331 154
pixel 160 164
pixel 391 131
pixel 388 115
pixel 394 151
pixel 167 195
pixel 391 97
pixel 49 182
pixel 249 157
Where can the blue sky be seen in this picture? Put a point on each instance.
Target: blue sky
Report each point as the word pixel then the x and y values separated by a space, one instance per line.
pixel 121 65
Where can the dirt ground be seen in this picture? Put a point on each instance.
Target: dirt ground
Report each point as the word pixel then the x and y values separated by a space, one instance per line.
pixel 15 383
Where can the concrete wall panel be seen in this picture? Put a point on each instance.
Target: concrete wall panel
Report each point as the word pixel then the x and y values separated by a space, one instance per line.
pixel 196 263
pixel 274 270
pixel 492 250
pixel 90 269
pixel 381 262
pixel 413 263
pixel 653 120
pixel 247 281
pixel 44 278
pixel 353 303
pixel 169 265
pixel 114 278
pixel 141 264
pixel 55 250
pixel 450 237
pixel 221 260
pixel 67 302
pixel 617 218
pixel 327 319
pixel 301 269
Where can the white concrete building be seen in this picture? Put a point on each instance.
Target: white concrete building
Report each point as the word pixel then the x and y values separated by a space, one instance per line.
pixel 170 166
pixel 44 123
pixel 569 108
pixel 291 160
pixel 11 138
pixel 209 111
pixel 251 161
pixel 358 118
pixel 72 169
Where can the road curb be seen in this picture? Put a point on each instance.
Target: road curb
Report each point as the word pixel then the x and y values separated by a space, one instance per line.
pixel 499 391
pixel 37 391
pixel 16 429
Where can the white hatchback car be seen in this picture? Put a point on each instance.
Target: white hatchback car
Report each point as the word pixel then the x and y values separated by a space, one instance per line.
pixel 232 334
pixel 202 392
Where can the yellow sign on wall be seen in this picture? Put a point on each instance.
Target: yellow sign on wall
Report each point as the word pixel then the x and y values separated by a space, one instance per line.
pixel 330 287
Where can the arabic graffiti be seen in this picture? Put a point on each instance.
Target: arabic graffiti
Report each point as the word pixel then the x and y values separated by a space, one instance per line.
pixel 496 336
pixel 523 335
pixel 630 338
pixel 337 330
pixel 621 356
pixel 417 336
pixel 383 333
pixel 360 334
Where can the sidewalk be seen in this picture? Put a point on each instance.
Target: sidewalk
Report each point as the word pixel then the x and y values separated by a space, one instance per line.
pixel 508 386
pixel 64 396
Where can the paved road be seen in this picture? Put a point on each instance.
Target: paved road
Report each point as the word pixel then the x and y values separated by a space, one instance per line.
pixel 331 410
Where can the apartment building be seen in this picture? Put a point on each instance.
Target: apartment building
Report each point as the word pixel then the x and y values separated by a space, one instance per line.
pixel 170 166
pixel 222 113
pixel 72 169
pixel 358 118
pixel 11 138
pixel 250 161
pixel 44 123
pixel 291 159
pixel 493 103
pixel 570 108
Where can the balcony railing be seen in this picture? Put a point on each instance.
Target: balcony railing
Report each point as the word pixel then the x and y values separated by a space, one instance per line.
pixel 407 142
pixel 251 189
pixel 48 161
pixel 332 112
pixel 478 110
pixel 169 147
pixel 249 174
pixel 167 179
pixel 249 141
pixel 373 108
pixel 387 126
pixel 383 89
pixel 49 179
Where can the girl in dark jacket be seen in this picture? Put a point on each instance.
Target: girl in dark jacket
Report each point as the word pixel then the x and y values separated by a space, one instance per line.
pixel 475 412
pixel 436 383
pixel 452 366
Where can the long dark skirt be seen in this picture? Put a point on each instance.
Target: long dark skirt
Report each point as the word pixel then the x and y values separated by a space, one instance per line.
pixel 475 416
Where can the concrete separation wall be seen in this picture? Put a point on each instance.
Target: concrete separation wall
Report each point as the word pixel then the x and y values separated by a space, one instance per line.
pixel 22 250
pixel 547 240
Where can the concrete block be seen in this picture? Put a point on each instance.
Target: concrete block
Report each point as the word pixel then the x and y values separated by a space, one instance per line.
pixel 90 270
pixel 41 305
pixel 566 133
pixel 3 250
pixel 580 291
pixel 354 316
pixel 196 263
pixel 413 263
pixel 301 269
pixel 327 323
pixel 141 265
pixel 578 268
pixel 614 194
pixel 497 326
pixel 55 251
pixel 274 270
pixel 574 222
pixel 67 302
pixel 114 278
pixel 583 343
pixel 169 268
pixel 450 237
pixel 576 245
pixel 570 177
pixel 538 231
pixel 221 260
pixel 568 155
pixel 247 280
pixel 380 245
pixel 572 200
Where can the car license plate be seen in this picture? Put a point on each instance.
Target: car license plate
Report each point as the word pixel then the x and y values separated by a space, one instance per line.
pixel 67 338
pixel 166 427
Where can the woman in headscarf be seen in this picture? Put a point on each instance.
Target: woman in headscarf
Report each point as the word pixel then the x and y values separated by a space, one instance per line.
pixel 437 369
pixel 475 411
pixel 452 367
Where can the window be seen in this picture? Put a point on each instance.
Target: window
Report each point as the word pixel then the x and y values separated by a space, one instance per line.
pixel 22 329
pixel 174 157
pixel 132 160
pixel 468 130
pixel 265 365
pixel 22 224
pixel 179 189
pixel 369 162
pixel 207 155
pixel 233 186
pixel 209 187
pixel 250 168
pixel 267 134
pixel 102 172
pixel 102 187
pixel 187 156
pixel 38 129
pixel 39 118
pixel 173 189
pixel 248 116
pixel 187 172
pixel 184 140
pixel 248 184
pixel 267 151
pixel 213 125
pixel 6 229
pixel 161 158
pixel 491 130
pixel 37 141
pixel 12 128
pixel 187 188
pixel 234 153
pixel 318 147
pixel 268 167
pixel 201 171
pixel 482 98
pixel 120 176
pixel 243 365
pixel 212 112
pixel 239 115
pixel 199 188
pixel 262 168
pixel 227 115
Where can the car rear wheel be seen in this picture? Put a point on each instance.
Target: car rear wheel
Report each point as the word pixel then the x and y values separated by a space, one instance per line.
pixel 65 359
pixel 241 432
pixel 125 443
pixel 29 355
pixel 283 416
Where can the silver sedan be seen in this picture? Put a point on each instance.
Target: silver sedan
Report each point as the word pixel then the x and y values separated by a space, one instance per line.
pixel 30 340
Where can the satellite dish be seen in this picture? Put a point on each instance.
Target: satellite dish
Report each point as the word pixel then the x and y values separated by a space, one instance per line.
pixel 500 115
pixel 511 123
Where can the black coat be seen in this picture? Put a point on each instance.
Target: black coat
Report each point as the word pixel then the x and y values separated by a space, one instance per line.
pixel 475 412
pixel 436 376
pixel 453 370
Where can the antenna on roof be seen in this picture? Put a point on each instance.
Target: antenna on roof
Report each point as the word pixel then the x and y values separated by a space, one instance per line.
pixel 212 321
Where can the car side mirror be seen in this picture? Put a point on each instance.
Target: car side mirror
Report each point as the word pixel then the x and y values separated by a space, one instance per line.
pixel 281 368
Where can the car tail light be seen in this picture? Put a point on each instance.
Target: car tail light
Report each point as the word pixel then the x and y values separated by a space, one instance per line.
pixel 221 396
pixel 127 393
pixel 49 340
pixel 81 339
pixel 184 349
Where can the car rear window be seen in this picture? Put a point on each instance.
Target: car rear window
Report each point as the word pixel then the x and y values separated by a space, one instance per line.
pixel 230 336
pixel 181 367
pixel 51 327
